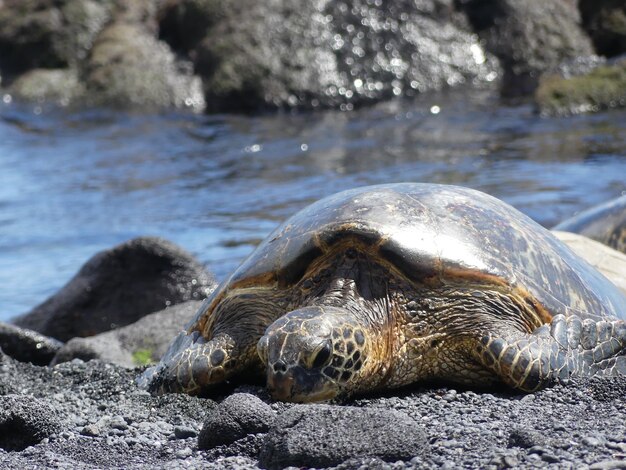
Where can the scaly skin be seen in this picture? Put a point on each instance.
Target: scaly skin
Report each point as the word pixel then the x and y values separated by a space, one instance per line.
pixel 565 348
pixel 234 329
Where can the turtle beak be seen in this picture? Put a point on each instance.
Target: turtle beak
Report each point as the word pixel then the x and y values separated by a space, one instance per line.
pixel 299 385
pixel 280 386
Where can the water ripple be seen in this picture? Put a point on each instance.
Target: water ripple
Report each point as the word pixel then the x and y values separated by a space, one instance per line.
pixel 73 183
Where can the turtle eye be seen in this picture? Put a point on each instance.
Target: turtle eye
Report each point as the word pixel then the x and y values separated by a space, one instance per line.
pixel 322 355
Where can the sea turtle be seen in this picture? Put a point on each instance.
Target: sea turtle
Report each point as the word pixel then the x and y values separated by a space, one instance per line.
pixel 605 223
pixel 382 286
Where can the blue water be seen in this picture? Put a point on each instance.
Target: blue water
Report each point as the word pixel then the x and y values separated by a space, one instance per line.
pixel 76 182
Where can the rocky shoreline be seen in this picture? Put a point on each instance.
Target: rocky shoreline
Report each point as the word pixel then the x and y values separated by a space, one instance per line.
pixel 234 55
pixel 86 411
pixel 91 415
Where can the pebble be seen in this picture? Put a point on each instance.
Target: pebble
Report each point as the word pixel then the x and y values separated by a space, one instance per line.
pixel 118 423
pixel 449 443
pixel 537 450
pixel 467 430
pixel 184 453
pixel 90 430
pixel 550 458
pixel 591 441
pixel 619 446
pixel 608 465
pixel 184 432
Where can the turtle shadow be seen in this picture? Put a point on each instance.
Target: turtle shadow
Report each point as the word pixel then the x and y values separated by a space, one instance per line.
pixel 436 388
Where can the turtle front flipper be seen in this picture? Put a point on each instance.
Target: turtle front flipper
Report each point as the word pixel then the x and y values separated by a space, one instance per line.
pixel 199 364
pixel 217 346
pixel 567 347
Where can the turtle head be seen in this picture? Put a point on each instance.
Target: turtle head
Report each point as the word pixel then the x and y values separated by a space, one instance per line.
pixel 313 354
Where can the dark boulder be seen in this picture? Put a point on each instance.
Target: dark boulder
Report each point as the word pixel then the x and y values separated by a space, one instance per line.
pixel 128 66
pixel 528 37
pixel 61 86
pixel 98 52
pixel 7 387
pixel 184 23
pixel 309 54
pixel 326 435
pixel 139 343
pixel 236 55
pixel 25 421
pixel 26 345
pixel 47 33
pixel 27 35
pixel 605 22
pixel 118 286
pixel 237 416
pixel 526 438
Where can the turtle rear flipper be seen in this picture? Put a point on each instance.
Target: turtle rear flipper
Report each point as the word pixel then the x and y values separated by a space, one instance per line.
pixel 567 347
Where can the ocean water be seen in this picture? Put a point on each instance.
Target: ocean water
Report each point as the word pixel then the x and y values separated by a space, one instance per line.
pixel 75 182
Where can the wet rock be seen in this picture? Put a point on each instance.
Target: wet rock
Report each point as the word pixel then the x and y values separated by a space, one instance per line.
pixel 108 47
pixel 57 85
pixel 257 55
pixel 138 12
pixel 139 343
pixel 528 37
pixel 288 54
pixel 602 88
pixel 27 345
pixel 46 33
pixel 578 66
pixel 27 32
pixel 118 286
pixel 184 23
pixel 25 421
pixel 325 435
pixel 128 66
pixel 605 22
pixel 237 416
pixel 82 21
